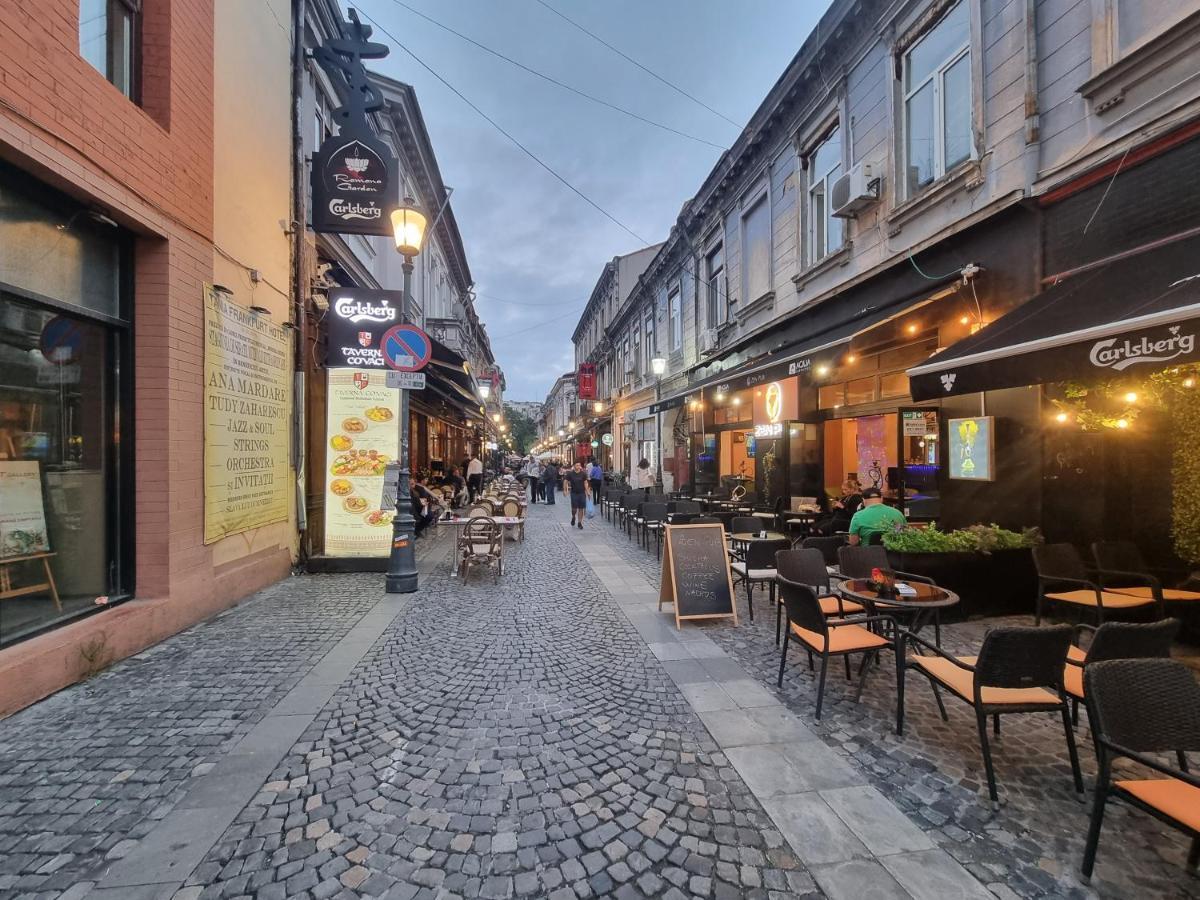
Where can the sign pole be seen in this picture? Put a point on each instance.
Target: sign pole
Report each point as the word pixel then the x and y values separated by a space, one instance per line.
pixel 402 563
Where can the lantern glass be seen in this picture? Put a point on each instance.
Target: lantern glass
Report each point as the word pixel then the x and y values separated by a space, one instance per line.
pixel 408 227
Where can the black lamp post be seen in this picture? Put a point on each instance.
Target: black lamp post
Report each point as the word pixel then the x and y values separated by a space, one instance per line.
pixel 658 365
pixel 408 224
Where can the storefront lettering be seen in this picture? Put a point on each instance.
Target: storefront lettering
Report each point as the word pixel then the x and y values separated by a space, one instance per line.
pixel 770 430
pixel 347 209
pixel 1119 355
pixel 357 310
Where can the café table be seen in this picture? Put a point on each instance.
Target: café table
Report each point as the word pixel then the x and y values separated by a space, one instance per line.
pixel 459 522
pixel 743 539
pixel 923 606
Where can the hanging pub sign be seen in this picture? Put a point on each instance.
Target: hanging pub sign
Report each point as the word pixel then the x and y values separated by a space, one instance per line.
pixel 355 177
pixel 585 381
pixel 357 322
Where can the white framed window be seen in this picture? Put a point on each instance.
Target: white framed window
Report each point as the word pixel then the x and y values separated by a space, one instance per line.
pixel 716 300
pixel 675 317
pixel 824 168
pixel 651 343
pixel 756 248
pixel 937 99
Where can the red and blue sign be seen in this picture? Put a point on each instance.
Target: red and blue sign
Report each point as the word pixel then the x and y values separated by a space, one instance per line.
pixel 406 348
pixel 62 340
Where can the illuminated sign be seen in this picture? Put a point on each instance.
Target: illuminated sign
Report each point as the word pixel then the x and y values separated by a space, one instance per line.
pixel 771 430
pixel 971 449
pixel 774 401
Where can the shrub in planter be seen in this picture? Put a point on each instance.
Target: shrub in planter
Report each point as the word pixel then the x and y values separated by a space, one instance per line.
pixel 990 568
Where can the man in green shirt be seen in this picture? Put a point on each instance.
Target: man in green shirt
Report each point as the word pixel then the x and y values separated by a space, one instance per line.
pixel 874 518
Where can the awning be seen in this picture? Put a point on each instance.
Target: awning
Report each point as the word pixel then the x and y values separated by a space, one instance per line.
pixel 1138 312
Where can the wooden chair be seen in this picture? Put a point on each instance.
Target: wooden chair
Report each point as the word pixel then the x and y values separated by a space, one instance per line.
pixel 758 567
pixel 1018 670
pixel 1063 578
pixel 837 637
pixel 1139 707
pixel 479 509
pixel 1120 562
pixel 511 508
pixel 480 544
pixel 1115 640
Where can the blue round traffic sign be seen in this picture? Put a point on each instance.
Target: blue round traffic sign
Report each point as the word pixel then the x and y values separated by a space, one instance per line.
pixel 61 340
pixel 406 348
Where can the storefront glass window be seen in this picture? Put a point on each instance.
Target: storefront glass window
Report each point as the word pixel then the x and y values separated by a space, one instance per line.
pixel 861 390
pixel 831 396
pixel 894 385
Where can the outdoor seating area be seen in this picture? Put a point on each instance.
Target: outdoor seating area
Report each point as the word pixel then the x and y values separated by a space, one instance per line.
pixel 1023 761
pixel 484 526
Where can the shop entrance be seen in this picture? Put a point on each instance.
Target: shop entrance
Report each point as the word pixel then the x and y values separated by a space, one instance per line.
pixel 897 452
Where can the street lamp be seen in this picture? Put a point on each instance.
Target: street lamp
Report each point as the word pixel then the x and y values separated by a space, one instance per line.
pixel 658 365
pixel 495 417
pixel 598 407
pixel 408 227
pixel 485 390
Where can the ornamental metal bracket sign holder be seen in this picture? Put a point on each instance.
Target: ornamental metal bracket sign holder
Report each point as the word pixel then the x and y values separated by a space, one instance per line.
pixel 355 176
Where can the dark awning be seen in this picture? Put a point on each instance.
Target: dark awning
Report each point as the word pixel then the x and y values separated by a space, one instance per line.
pixel 1138 311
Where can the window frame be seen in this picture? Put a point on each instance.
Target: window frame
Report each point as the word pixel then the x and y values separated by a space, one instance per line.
pixel 760 196
pixel 826 179
pixel 651 347
pixel 132 10
pixel 716 301
pixel 937 78
pixel 675 317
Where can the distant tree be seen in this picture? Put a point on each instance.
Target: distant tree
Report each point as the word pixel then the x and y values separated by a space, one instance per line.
pixel 522 428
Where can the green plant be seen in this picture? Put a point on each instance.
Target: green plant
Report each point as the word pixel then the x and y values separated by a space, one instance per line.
pixel 975 539
pixel 1185 488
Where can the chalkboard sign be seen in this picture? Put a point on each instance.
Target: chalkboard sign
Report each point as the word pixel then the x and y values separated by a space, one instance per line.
pixel 695 573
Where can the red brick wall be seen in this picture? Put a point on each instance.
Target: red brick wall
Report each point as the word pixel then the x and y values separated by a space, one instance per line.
pixel 150 167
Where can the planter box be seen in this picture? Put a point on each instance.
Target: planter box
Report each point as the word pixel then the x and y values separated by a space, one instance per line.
pixel 1000 583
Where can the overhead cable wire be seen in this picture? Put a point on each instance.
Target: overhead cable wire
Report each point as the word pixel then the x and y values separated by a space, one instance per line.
pixel 630 59
pixel 537 159
pixel 555 81
pixel 501 337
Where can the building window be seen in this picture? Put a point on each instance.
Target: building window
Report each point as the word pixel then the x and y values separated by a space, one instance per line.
pixel 714 279
pixel 675 315
pixel 824 168
pixel 635 361
pixel 651 344
pixel 937 99
pixel 108 39
pixel 756 249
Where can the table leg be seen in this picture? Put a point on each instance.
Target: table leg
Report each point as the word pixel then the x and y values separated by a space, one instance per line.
pixel 50 581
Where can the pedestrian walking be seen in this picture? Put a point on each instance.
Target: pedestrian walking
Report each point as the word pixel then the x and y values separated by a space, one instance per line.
pixel 549 480
pixel 474 476
pixel 533 474
pixel 644 476
pixel 596 476
pixel 577 484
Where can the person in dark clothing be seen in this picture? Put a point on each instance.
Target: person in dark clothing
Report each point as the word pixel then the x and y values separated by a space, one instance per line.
pixel 425 505
pixel 843 509
pixel 550 478
pixel 596 476
pixel 577 484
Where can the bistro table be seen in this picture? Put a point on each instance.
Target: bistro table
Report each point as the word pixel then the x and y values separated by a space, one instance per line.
pixel 458 522
pixel 741 540
pixel 923 606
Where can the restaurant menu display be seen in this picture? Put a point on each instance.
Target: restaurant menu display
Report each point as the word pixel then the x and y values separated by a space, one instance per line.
pixel 695 573
pixel 247 418
pixel 361 438
pixel 971 449
pixel 22 517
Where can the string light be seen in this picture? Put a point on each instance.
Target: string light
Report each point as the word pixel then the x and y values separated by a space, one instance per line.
pixel 1131 397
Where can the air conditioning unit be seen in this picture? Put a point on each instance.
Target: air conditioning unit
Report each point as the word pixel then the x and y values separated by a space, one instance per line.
pixel 856 190
pixel 709 340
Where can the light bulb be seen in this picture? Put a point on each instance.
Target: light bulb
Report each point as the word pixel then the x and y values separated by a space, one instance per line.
pixel 1131 397
pixel 1122 423
pixel 1062 417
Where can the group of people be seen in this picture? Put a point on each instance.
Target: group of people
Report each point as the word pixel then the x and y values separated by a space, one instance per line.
pixel 464 481
pixel 860 513
pixel 578 481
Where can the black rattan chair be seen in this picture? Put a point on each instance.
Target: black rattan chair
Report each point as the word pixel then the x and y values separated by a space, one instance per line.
pixel 857 562
pixel 653 518
pixel 746 524
pixel 1139 707
pixel 1115 640
pixel 1018 670
pixel 827 545
pixel 808 567
pixel 1063 578
pixel 1120 562
pixel 758 568
pixel 837 637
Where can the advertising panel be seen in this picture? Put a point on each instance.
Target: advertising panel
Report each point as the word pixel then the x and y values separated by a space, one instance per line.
pixel 357 321
pixel 247 418
pixel 361 438
pixel 22 517
pixel 972 446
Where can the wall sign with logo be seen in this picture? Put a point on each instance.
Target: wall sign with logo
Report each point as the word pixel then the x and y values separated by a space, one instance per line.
pixel 972 448
pixel 769 430
pixel 357 322
pixel 585 381
pixel 776 402
pixel 606 439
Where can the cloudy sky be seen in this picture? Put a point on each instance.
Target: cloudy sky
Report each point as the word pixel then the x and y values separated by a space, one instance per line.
pixel 535 248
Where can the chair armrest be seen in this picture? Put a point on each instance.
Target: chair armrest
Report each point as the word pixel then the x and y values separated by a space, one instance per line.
pixel 909 636
pixel 1191 778
pixel 1062 579
pixel 1143 577
pixel 909 576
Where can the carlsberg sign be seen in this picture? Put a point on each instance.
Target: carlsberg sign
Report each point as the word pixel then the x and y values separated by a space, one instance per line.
pixel 1119 354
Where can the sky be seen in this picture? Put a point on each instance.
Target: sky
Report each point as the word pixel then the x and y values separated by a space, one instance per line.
pixel 535 248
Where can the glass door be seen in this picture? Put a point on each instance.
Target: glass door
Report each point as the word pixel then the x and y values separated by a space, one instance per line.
pixel 920 459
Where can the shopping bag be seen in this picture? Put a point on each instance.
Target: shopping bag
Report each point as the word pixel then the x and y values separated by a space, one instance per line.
pixel 591 508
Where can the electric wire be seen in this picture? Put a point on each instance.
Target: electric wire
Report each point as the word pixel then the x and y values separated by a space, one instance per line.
pixel 555 81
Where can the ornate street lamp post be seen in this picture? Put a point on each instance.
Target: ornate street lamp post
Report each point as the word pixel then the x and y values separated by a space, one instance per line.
pixel 658 365
pixel 408 227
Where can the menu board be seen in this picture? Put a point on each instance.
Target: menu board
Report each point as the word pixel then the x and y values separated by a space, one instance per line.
pixel 695 573
pixel 972 445
pixel 361 438
pixel 247 418
pixel 22 517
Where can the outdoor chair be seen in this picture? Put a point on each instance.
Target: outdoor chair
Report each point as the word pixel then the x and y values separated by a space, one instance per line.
pixel 828 546
pixel 480 545
pixel 683 519
pixel 745 524
pixel 857 562
pixel 808 567
pixel 1120 562
pixel 511 508
pixel 480 509
pixel 1115 640
pixel 654 518
pixel 758 567
pixel 1063 578
pixel 1138 707
pixel 1018 670
pixel 837 637
pixel 707 520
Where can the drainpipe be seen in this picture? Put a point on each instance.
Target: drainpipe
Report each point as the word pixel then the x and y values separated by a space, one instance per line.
pixel 299 285
pixel 1033 125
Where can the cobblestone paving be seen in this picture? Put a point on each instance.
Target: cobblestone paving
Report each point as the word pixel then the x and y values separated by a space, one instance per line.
pixel 87 772
pixel 1031 846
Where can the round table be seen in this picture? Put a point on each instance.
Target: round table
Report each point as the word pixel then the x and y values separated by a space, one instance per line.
pixel 746 537
pixel 924 606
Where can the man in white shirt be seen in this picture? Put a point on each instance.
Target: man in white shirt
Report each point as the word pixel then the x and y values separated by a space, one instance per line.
pixel 474 476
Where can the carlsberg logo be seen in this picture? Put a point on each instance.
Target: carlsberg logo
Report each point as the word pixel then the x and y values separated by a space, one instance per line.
pixel 1119 354
pixel 348 209
pixel 360 310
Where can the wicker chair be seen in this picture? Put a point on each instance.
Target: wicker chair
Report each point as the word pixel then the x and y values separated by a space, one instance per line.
pixel 1115 640
pixel 1063 578
pixel 1138 707
pixel 828 546
pixel 857 562
pixel 1120 562
pixel 480 509
pixel 1018 670
pixel 758 567
pixel 511 508
pixel 808 567
pixel 653 520
pixel 837 637
pixel 480 544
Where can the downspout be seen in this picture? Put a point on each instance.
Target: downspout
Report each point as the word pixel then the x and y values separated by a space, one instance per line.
pixel 299 294
pixel 1033 125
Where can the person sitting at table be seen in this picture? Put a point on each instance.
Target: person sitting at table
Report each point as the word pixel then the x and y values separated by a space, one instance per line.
pixel 426 505
pixel 844 508
pixel 874 518
pixel 459 486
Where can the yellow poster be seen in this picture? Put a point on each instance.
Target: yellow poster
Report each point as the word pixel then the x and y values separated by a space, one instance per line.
pixel 361 438
pixel 247 418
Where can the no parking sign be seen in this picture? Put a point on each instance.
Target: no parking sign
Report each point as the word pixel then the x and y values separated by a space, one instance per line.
pixel 406 348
